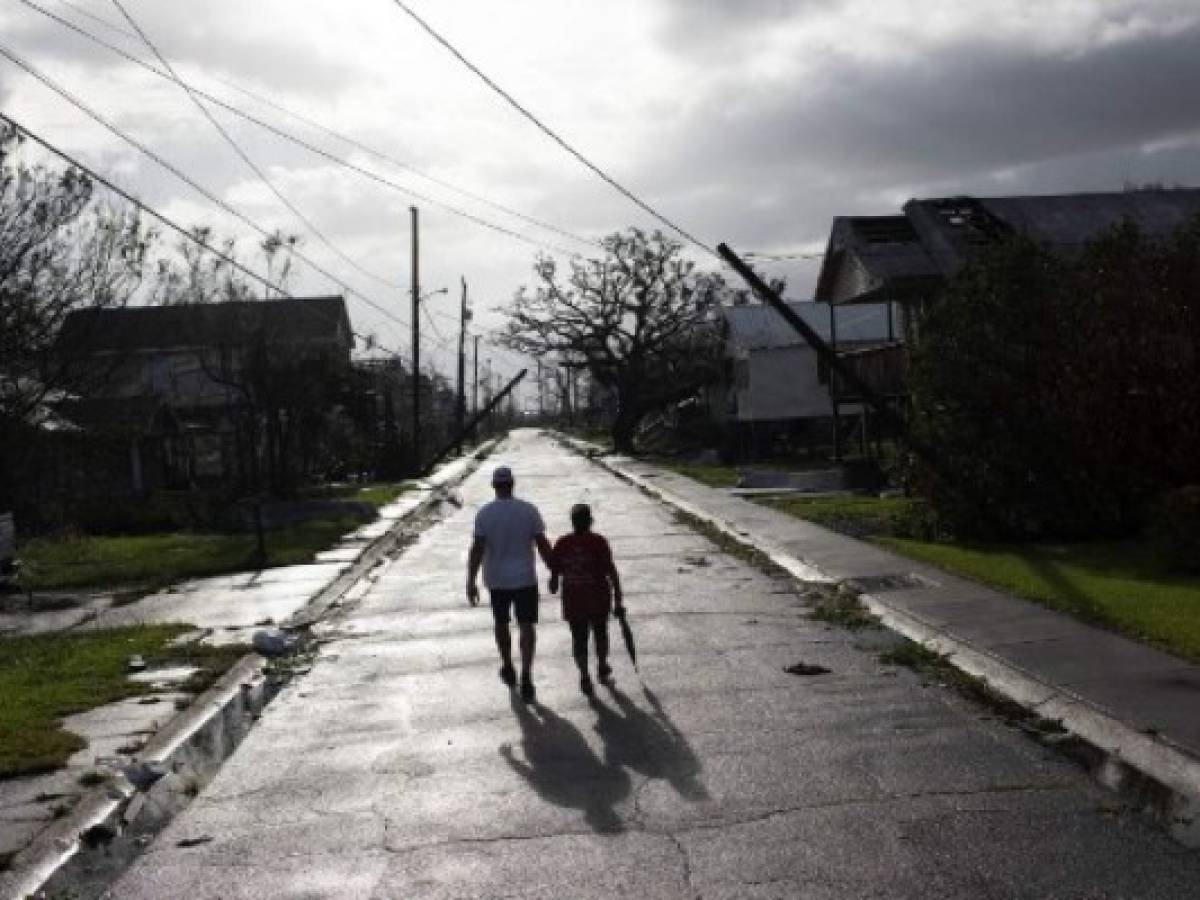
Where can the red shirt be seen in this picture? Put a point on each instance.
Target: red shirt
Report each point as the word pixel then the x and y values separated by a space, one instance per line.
pixel 583 561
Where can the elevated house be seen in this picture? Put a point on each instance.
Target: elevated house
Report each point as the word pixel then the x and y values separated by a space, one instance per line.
pixel 903 260
pixel 775 389
pixel 200 392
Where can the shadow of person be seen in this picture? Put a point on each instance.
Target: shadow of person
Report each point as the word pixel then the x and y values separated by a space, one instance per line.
pixel 648 742
pixel 564 770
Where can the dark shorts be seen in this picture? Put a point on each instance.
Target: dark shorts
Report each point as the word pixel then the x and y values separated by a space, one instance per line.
pixel 524 599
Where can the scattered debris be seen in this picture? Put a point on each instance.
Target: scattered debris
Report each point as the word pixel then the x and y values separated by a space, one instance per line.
pixel 840 606
pixel 194 842
pixel 273 643
pixel 803 668
pixel 97 836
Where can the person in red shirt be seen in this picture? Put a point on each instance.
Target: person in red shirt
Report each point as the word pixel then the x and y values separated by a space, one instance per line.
pixel 590 585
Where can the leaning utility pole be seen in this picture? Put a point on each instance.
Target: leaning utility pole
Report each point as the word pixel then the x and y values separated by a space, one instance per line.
pixel 460 409
pixel 416 344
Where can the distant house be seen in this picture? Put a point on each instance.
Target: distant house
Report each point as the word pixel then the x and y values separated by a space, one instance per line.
pixel 905 259
pixel 775 388
pixel 183 385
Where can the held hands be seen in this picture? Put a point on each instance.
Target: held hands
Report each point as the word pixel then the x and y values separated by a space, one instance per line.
pixel 472 593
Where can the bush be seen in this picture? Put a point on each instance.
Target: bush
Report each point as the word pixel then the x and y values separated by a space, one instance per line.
pixel 1174 528
pixel 1058 392
pixel 160 512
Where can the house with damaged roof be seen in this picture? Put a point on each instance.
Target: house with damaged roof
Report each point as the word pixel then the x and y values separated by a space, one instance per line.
pixel 224 393
pixel 775 393
pixel 905 259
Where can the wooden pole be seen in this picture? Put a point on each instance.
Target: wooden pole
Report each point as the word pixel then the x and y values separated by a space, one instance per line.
pixel 416 342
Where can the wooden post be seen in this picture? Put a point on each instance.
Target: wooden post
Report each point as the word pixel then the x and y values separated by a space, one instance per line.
pixel 415 465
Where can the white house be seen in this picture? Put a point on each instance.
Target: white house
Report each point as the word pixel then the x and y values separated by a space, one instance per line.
pixel 774 379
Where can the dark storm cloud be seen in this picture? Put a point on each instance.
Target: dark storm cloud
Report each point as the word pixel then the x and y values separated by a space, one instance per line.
pixel 969 107
pixel 778 160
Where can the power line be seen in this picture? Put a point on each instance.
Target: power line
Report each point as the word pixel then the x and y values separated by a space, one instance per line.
pixel 182 176
pixel 245 157
pixel 327 155
pixel 549 132
pixel 232 261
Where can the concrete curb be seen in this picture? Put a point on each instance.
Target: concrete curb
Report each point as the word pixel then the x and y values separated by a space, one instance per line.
pixel 206 733
pixel 218 719
pixel 1149 772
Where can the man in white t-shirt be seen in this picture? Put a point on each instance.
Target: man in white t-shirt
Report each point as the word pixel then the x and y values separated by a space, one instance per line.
pixel 506 531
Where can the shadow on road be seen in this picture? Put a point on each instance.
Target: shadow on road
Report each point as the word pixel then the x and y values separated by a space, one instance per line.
pixel 648 743
pixel 564 770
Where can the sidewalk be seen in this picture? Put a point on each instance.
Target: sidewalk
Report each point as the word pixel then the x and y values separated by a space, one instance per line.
pixel 1138 706
pixel 225 609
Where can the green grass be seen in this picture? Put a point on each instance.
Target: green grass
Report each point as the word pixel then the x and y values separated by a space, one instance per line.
pixel 1123 585
pixel 712 475
pixel 1118 584
pixel 160 559
pixel 860 516
pixel 376 495
pixel 46 677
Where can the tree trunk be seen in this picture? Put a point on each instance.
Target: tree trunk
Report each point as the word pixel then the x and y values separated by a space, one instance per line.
pixel 623 429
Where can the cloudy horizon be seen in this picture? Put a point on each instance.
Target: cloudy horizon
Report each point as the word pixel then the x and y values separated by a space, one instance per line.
pixel 752 123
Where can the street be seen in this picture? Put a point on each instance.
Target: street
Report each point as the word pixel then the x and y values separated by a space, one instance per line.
pixel 401 767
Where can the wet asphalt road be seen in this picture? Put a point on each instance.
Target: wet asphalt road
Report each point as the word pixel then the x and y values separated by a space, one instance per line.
pixel 400 767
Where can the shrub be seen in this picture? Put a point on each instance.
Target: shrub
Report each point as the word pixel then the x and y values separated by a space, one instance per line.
pixel 1058 391
pixel 1174 528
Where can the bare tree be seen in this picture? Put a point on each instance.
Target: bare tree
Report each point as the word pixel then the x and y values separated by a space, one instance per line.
pixel 194 275
pixel 59 251
pixel 637 319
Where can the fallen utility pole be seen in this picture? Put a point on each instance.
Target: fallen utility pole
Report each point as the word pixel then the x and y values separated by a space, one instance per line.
pixel 824 352
pixel 475 420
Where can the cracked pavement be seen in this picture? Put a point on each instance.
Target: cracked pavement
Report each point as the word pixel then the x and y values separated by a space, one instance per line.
pixel 401 767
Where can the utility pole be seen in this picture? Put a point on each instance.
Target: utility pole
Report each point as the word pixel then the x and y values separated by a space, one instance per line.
pixel 460 408
pixel 475 382
pixel 416 343
pixel 541 406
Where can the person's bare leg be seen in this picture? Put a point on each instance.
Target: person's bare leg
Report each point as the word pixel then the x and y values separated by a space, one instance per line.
pixel 528 645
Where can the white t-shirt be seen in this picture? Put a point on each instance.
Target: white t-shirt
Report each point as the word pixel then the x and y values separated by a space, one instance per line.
pixel 508 526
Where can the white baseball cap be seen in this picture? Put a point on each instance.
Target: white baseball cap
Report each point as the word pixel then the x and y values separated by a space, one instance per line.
pixel 502 475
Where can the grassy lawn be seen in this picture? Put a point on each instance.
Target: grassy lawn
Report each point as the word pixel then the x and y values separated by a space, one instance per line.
pixel 1120 584
pixel 860 516
pixel 159 559
pixel 712 475
pixel 376 495
pixel 46 677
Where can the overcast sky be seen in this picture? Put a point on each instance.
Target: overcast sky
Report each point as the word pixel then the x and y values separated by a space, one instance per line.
pixel 747 121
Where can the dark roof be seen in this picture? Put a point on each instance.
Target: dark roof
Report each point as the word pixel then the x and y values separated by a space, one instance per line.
pixel 873 258
pixel 951 226
pixel 300 320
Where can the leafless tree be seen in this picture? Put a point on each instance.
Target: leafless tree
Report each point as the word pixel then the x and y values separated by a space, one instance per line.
pixel 59 251
pixel 194 275
pixel 638 319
